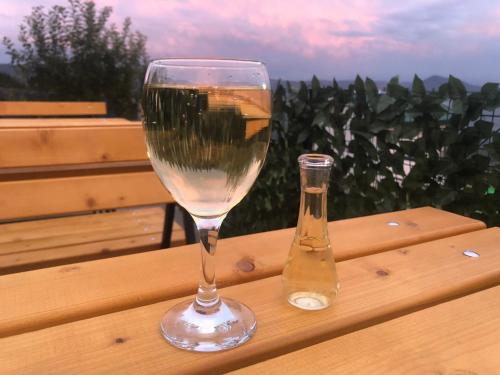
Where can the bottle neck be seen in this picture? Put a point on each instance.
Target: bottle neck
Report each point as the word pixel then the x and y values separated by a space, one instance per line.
pixel 312 222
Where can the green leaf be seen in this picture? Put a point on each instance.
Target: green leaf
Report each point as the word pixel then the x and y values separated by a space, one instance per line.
pixel 303 135
pixel 475 164
pixel 457 107
pixel 384 102
pixel 484 127
pixel 321 119
pixel 490 90
pixel 315 86
pixel 371 93
pixel 394 80
pixel 456 88
pixel 397 91
pixel 359 85
pixel 448 198
pixel 364 135
pixel 450 136
pixel 493 152
pixel 303 92
pixel 378 126
pixel 299 107
pixel 418 87
pixel 443 91
pixel 410 131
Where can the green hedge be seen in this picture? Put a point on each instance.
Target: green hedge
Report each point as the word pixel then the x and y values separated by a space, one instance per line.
pixel 454 152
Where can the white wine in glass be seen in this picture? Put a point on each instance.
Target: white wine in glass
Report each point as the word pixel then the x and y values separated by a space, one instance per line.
pixel 207 126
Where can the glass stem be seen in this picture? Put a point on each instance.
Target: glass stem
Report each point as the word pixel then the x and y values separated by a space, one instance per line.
pixel 207 300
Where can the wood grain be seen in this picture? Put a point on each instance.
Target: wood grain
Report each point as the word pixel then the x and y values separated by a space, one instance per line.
pixel 17 123
pixel 109 285
pixel 129 341
pixel 40 229
pixel 15 233
pixel 42 243
pixel 31 108
pixel 27 198
pixel 50 146
pixel 457 337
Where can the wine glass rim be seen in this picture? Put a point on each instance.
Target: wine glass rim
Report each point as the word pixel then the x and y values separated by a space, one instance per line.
pixel 195 62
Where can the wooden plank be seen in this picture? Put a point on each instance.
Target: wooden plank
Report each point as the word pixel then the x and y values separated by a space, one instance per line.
pixel 71 145
pixel 29 108
pixel 80 235
pixel 17 123
pixel 64 240
pixel 83 224
pixel 53 228
pixel 61 240
pixel 172 273
pixel 33 260
pixel 27 198
pixel 37 229
pixel 374 289
pixel 457 337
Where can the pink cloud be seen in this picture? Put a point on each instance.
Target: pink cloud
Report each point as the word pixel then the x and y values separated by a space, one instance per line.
pixel 299 26
pixel 302 27
pixel 304 35
pixel 488 26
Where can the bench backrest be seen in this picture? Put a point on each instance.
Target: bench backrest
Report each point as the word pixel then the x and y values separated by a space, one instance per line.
pixel 60 169
pixel 29 108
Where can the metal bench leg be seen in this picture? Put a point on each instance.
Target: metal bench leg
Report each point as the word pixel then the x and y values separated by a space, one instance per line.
pixel 168 224
pixel 189 227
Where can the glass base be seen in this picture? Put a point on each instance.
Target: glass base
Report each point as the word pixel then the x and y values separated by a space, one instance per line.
pixel 309 300
pixel 222 327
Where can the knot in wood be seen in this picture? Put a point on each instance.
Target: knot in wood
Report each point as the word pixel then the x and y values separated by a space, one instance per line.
pixel 246 264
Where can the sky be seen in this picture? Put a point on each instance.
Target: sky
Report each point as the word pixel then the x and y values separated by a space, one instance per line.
pixel 299 38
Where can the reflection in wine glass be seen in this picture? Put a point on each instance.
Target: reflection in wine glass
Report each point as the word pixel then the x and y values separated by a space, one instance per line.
pixel 207 126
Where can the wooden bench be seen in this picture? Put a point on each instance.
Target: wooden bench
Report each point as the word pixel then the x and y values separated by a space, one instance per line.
pixel 68 166
pixel 41 109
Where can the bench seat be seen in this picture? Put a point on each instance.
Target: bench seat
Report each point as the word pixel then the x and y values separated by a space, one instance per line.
pixel 32 244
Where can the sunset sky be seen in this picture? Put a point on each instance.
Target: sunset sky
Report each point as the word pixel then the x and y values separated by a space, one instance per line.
pixel 299 38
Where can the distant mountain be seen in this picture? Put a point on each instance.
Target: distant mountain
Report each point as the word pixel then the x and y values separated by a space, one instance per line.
pixel 433 83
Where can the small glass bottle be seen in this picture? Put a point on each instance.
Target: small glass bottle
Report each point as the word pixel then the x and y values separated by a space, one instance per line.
pixel 310 276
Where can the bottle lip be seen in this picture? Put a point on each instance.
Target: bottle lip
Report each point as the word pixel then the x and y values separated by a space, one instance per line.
pixel 315 161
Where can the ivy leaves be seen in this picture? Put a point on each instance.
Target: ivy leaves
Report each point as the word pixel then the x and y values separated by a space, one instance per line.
pixel 394 148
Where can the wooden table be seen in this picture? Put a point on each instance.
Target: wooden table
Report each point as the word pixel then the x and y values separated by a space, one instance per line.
pixel 410 302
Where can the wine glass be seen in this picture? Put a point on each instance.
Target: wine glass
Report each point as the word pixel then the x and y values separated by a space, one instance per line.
pixel 207 127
